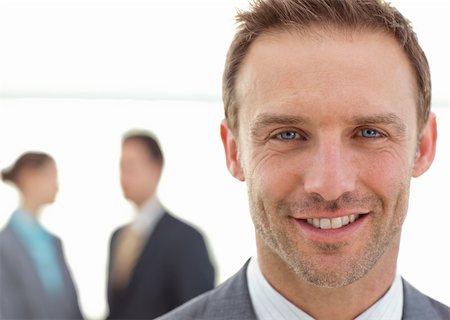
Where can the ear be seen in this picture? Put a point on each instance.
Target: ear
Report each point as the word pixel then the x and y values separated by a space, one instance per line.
pixel 231 152
pixel 426 148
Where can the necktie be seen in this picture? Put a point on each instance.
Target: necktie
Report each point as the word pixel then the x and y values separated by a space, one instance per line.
pixel 128 250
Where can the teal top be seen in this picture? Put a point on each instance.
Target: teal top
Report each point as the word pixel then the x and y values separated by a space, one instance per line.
pixel 41 246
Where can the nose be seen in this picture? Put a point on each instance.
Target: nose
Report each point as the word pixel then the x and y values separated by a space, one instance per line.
pixel 331 173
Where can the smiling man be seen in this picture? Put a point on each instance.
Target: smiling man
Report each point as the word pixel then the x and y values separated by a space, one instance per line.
pixel 327 106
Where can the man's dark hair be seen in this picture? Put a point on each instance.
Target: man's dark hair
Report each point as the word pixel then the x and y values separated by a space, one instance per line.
pixel 149 141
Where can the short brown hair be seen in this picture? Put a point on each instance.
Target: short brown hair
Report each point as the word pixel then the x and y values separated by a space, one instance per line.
pixel 149 141
pixel 272 15
pixel 28 160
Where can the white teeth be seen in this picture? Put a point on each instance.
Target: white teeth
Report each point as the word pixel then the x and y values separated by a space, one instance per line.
pixel 316 223
pixel 345 220
pixel 325 224
pixel 334 223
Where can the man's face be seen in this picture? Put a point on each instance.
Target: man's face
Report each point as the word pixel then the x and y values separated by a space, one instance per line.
pixel 139 173
pixel 327 143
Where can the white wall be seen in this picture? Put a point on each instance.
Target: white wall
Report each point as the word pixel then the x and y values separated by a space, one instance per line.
pixel 150 48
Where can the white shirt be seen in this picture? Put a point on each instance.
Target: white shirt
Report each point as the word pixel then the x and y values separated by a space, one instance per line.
pixel 148 216
pixel 271 305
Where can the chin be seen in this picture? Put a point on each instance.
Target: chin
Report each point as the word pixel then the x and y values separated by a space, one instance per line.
pixel 51 199
pixel 129 198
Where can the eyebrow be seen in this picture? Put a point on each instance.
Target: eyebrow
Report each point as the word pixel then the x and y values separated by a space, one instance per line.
pixel 386 119
pixel 268 119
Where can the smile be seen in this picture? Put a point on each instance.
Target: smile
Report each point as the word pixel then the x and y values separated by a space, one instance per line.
pixel 334 223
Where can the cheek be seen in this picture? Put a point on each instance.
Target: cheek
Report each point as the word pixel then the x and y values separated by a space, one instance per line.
pixel 52 187
pixel 131 178
pixel 46 189
pixel 275 176
pixel 384 167
pixel 376 172
pixel 387 175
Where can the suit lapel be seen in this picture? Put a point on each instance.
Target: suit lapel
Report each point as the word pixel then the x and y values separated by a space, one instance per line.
pixel 151 244
pixel 232 301
pixel 416 305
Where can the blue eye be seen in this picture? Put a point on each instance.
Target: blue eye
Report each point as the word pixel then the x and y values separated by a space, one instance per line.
pixel 288 135
pixel 369 133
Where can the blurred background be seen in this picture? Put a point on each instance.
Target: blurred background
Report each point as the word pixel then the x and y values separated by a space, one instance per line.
pixel 76 74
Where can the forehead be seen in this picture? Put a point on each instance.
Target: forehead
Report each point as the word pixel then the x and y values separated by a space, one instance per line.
pixel 47 168
pixel 134 148
pixel 359 70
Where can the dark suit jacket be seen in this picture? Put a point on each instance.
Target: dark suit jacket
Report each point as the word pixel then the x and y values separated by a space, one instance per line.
pixel 22 294
pixel 173 268
pixel 231 301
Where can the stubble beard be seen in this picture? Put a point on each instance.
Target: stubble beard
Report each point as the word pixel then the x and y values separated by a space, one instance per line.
pixel 277 230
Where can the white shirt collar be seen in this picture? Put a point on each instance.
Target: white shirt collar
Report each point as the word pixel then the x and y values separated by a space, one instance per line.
pixel 148 216
pixel 390 306
pixel 269 304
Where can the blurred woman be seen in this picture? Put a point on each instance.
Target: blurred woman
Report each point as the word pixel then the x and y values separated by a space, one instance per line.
pixel 35 282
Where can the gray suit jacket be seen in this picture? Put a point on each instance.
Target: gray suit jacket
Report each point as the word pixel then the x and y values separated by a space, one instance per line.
pixel 231 301
pixel 22 295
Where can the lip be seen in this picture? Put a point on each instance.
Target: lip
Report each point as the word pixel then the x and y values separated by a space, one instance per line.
pixel 331 215
pixel 344 233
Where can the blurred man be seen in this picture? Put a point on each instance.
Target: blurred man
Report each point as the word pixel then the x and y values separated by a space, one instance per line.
pixel 157 262
pixel 327 106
